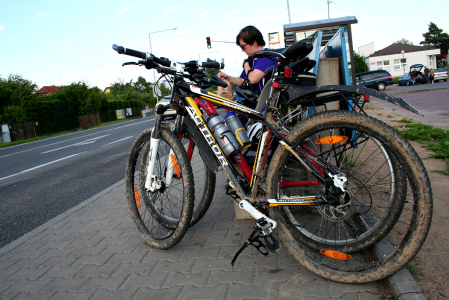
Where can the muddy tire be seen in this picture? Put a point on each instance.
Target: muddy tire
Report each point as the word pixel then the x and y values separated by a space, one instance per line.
pixel 384 217
pixel 161 217
pixel 204 180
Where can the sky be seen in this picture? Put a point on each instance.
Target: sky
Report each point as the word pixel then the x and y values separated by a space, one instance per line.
pixel 59 42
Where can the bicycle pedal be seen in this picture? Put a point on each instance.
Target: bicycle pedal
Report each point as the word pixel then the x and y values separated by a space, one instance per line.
pixel 272 245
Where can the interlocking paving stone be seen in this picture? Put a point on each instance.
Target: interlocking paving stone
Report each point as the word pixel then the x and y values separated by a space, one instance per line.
pixel 203 264
pixel 62 272
pixel 61 284
pixel 179 278
pixel 100 282
pixel 169 266
pixel 243 277
pixel 102 294
pixel 192 292
pixel 145 293
pixel 96 253
pixel 137 280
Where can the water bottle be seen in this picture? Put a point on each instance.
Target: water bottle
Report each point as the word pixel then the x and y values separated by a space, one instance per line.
pixel 234 124
pixel 223 135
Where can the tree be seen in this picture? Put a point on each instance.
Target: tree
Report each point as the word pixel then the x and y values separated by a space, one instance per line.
pixel 404 41
pixel 142 85
pixel 360 65
pixel 13 89
pixel 435 37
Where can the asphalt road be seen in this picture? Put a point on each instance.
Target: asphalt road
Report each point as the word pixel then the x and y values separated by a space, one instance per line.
pixel 431 100
pixel 43 179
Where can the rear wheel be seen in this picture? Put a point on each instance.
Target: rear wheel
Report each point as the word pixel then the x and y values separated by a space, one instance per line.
pixel 161 217
pixel 381 220
pixel 381 86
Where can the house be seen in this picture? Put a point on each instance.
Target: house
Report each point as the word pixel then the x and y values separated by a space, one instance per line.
pixel 397 58
pixel 47 90
pixel 108 90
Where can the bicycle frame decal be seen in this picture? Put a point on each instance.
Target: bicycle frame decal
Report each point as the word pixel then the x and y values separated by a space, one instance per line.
pixel 195 114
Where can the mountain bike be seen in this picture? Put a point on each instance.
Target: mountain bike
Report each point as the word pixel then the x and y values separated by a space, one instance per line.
pixel 347 195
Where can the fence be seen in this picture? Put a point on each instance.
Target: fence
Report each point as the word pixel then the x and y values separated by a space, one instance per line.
pixel 89 120
pixel 113 115
pixel 21 131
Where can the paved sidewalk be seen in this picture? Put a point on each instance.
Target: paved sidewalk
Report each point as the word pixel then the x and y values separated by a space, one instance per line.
pixel 93 252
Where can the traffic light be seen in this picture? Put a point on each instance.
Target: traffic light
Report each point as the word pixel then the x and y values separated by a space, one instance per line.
pixel 208 43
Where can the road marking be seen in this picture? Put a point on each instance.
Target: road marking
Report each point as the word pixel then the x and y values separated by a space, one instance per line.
pixel 40 166
pixel 136 123
pixel 86 142
pixel 118 141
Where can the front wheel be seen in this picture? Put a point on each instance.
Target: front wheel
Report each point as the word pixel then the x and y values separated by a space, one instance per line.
pixel 162 216
pixel 378 224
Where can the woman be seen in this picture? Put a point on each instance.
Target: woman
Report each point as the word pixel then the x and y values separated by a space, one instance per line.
pixel 250 40
pixel 432 75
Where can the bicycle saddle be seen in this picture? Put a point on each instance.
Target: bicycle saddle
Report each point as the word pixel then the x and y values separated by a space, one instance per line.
pixel 294 52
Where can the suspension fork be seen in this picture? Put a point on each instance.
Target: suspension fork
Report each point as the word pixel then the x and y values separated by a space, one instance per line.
pixel 151 182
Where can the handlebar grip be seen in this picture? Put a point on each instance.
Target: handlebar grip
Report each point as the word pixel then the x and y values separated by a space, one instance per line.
pixel 216 82
pixel 130 52
pixel 212 64
pixel 162 62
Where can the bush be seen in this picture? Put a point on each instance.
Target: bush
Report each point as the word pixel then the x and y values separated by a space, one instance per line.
pixel 395 79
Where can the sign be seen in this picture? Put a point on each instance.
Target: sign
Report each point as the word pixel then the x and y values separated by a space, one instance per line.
pixel 274 41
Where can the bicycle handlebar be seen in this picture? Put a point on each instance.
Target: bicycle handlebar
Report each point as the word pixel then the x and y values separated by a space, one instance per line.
pixel 216 82
pixel 130 52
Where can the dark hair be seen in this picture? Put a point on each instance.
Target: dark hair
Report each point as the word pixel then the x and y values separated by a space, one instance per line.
pixel 249 35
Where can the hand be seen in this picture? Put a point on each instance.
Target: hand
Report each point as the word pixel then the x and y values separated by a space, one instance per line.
pixel 222 76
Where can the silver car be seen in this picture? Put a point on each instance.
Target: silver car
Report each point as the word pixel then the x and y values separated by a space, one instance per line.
pixel 169 112
pixel 440 74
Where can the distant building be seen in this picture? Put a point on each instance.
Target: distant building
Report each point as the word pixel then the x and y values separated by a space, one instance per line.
pixel 108 90
pixel 397 63
pixel 47 90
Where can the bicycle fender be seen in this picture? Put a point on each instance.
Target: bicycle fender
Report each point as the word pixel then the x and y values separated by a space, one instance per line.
pixel 205 152
pixel 300 94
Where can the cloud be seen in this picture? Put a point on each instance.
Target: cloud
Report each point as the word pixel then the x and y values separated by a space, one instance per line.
pixel 128 8
pixel 63 44
pixel 40 15
pixel 171 9
pixel 204 14
pixel 2 27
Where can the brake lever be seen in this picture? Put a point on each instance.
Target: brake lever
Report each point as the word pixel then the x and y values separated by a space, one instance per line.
pixel 130 63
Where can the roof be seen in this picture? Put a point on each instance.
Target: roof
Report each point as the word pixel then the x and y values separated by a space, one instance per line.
pixel 48 89
pixel 397 48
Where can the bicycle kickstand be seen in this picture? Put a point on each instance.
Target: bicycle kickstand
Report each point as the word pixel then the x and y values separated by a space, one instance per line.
pixel 270 243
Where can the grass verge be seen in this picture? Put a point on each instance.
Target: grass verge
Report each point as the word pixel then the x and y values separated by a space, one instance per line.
pixel 435 139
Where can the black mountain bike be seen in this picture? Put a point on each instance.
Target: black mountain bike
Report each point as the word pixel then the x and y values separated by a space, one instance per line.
pixel 347 195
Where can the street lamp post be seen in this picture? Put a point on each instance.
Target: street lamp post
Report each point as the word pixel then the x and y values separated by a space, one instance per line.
pixel 288 9
pixel 151 49
pixel 329 2
pixel 403 59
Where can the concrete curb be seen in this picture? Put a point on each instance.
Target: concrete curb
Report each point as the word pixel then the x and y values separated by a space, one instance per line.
pixel 415 91
pixel 28 236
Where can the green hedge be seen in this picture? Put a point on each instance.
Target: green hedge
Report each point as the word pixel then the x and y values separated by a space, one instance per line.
pixel 51 114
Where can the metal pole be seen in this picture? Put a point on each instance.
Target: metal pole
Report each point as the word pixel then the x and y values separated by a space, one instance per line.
pixel 288 9
pixel 328 14
pixel 151 49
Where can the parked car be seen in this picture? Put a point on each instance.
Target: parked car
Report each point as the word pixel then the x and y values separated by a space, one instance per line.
pixel 440 74
pixel 405 80
pixel 419 74
pixel 378 79
pixel 169 112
